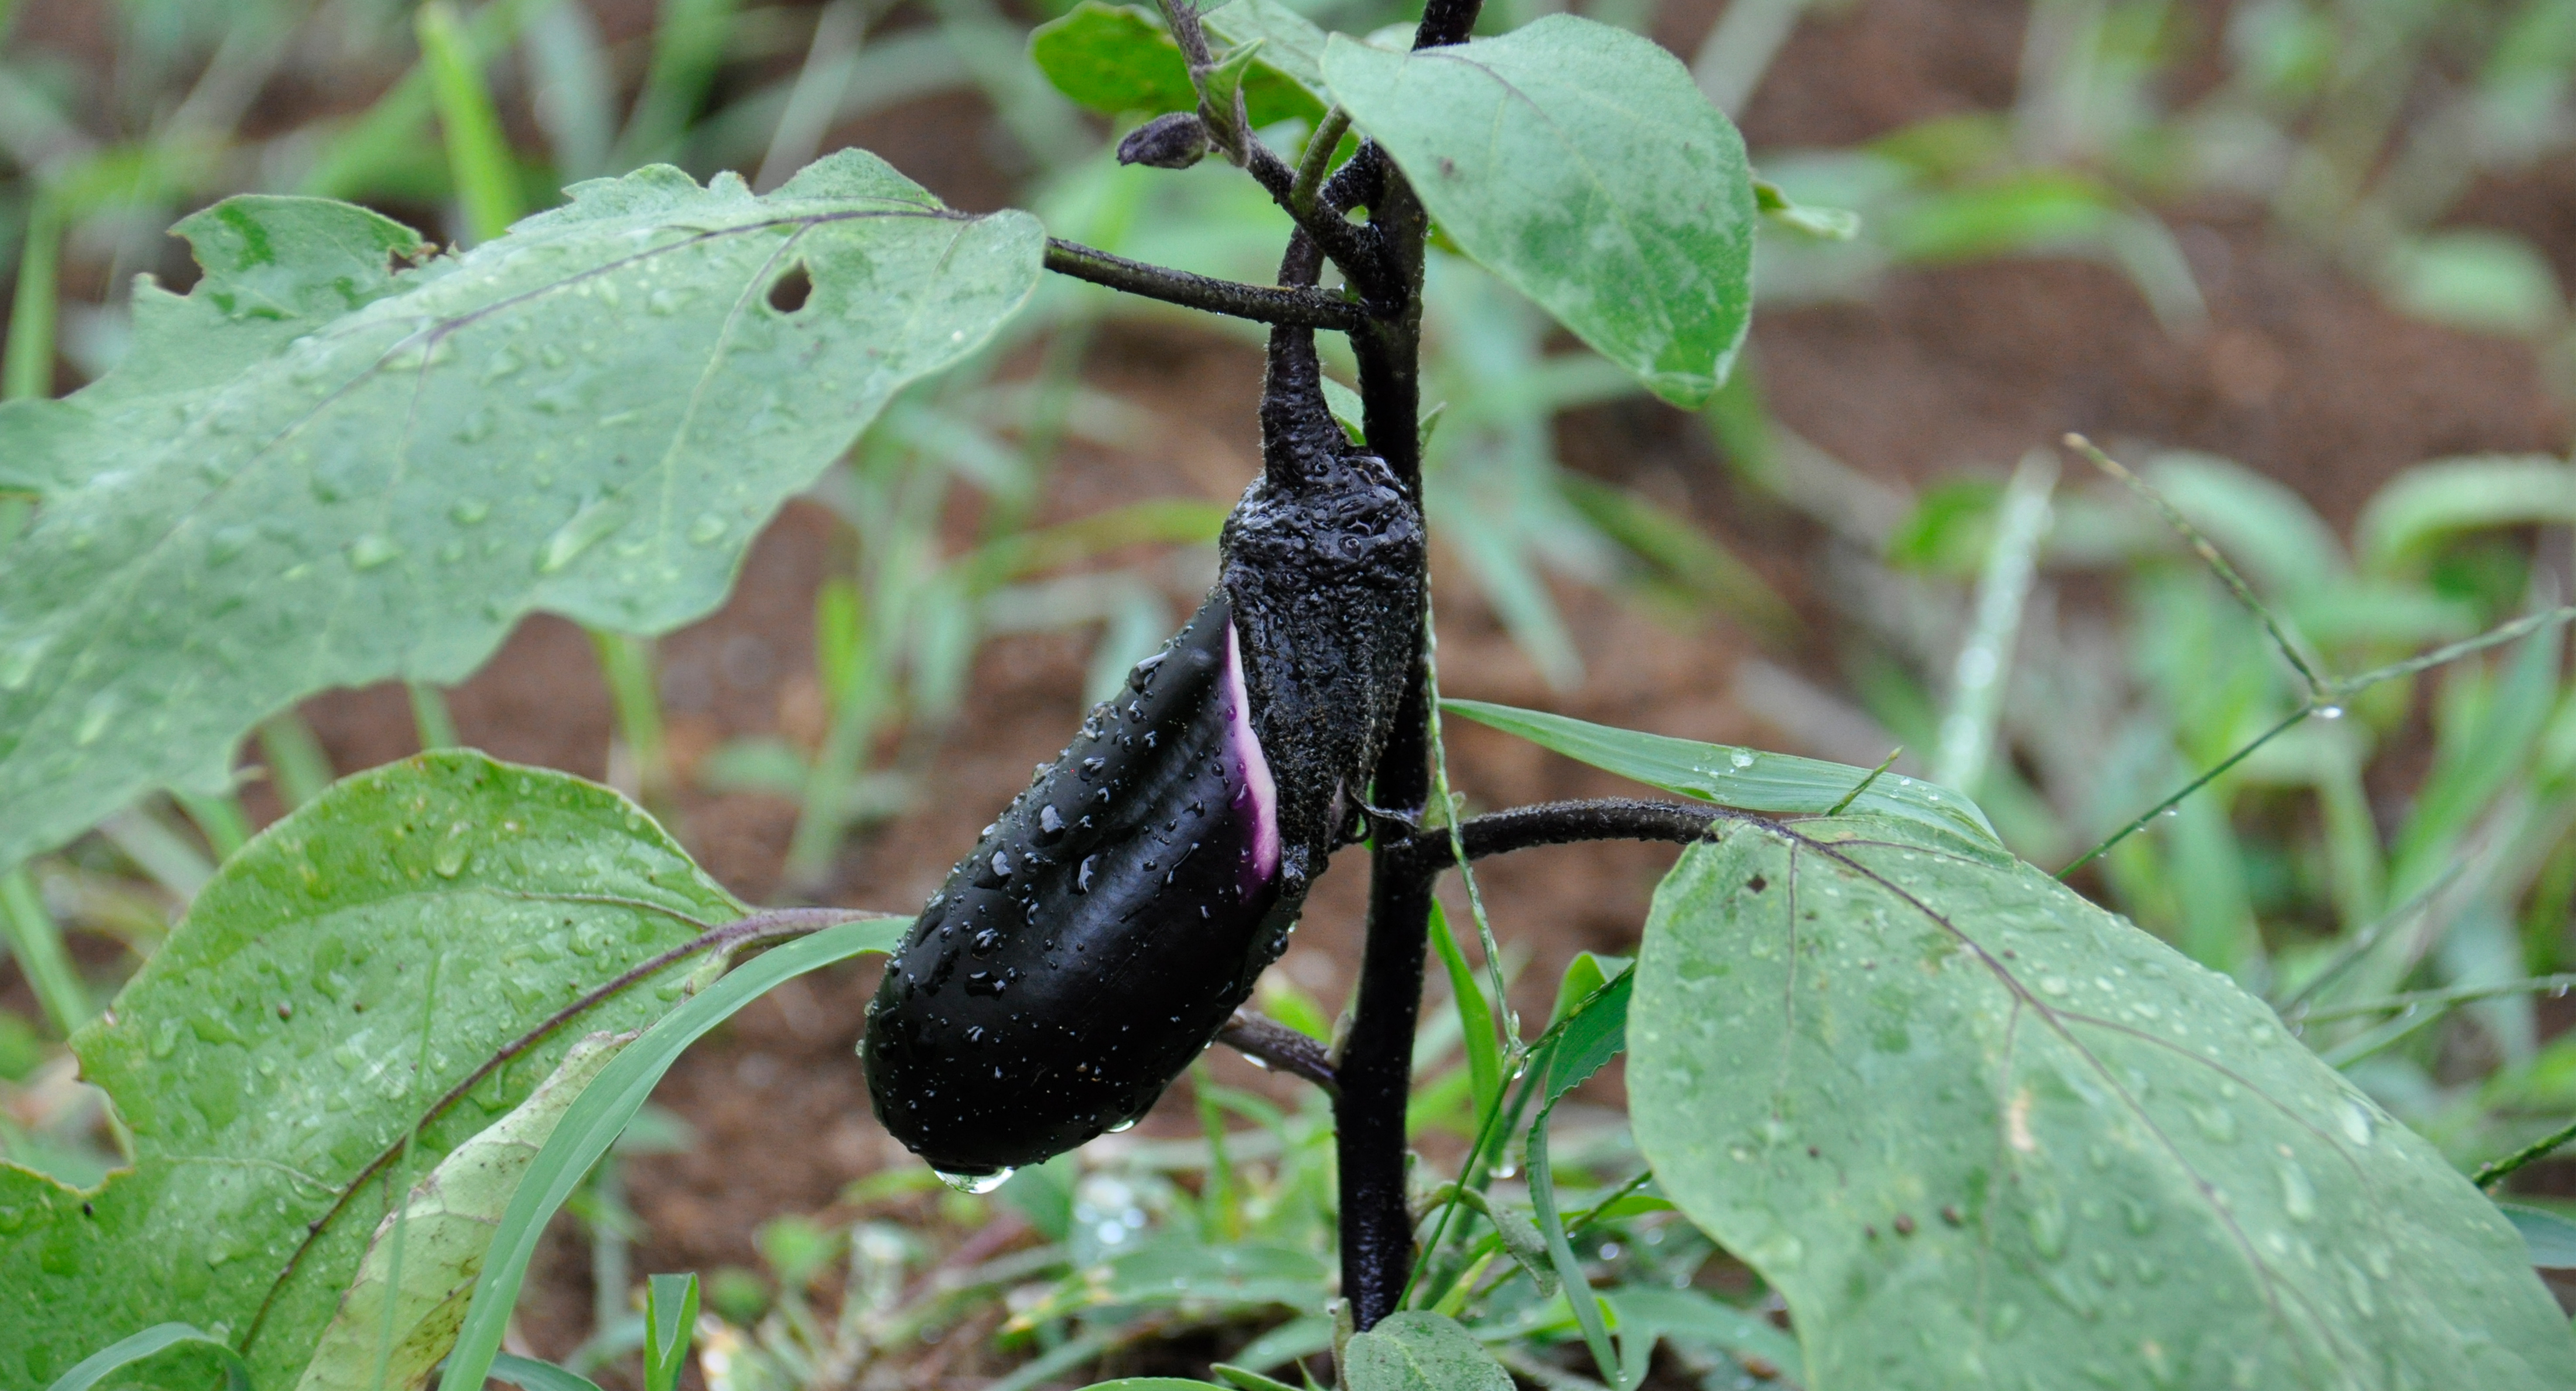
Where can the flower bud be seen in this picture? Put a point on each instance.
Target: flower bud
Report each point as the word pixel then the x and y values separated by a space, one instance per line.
pixel 1175 141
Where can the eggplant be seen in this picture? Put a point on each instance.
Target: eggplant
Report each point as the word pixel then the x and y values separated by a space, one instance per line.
pixel 1110 921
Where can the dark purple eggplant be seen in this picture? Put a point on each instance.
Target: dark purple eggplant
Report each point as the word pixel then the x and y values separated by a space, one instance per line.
pixel 1110 921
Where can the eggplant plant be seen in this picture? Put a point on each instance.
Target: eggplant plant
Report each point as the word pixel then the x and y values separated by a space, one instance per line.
pixel 1972 1129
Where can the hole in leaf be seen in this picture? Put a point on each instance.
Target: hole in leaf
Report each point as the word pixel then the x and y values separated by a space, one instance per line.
pixel 788 292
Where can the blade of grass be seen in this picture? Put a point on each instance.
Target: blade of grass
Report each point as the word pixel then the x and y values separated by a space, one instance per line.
pixel 478 155
pixel 568 67
pixel 595 1119
pixel 1065 1356
pixel 815 96
pixel 2360 943
pixel 2353 1050
pixel 670 1314
pixel 161 853
pixel 430 719
pixel 611 1253
pixel 688 47
pixel 2326 704
pixel 1569 1271
pixel 2453 995
pixel 150 1343
pixel 37 941
pixel 1221 1218
pixel 529 1374
pixel 28 371
pixel 1506 1023
pixel 1476 1021
pixel 385 134
pixel 218 819
pixel 2196 784
pixel 2493 637
pixel 297 766
pixel 634 693
pixel 1864 784
pixel 1978 677
pixel 2209 555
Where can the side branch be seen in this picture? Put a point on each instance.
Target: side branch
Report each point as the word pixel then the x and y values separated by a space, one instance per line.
pixel 1351 245
pixel 1272 1044
pixel 1266 304
pixel 1556 823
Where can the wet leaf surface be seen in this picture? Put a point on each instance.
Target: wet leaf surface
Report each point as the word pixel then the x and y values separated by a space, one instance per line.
pixel 325 466
pixel 338 976
pixel 1981 1133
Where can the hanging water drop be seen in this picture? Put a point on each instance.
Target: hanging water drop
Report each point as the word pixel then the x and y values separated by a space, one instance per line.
pixel 977 1184
pixel 2329 712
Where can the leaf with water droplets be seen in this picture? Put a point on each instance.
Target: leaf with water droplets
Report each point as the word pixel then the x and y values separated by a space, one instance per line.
pixel 348 967
pixel 414 1285
pixel 1980 1132
pixel 302 456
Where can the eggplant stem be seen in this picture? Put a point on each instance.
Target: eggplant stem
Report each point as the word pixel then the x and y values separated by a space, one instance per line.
pixel 1267 304
pixel 1267 1041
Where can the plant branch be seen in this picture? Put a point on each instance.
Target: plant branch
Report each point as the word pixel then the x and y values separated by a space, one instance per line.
pixel 1445 22
pixel 759 927
pixel 1554 823
pixel 1353 247
pixel 1266 304
pixel 1267 1041
pixel 1317 162
pixel 2489 1174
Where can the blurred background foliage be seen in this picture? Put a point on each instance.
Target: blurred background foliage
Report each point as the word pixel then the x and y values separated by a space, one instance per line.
pixel 2397 874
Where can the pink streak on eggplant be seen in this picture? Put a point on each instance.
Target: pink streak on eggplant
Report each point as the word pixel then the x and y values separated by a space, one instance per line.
pixel 1259 799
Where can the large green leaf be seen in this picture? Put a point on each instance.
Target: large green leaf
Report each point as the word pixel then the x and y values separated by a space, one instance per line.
pixel 1745 779
pixel 1119 59
pixel 1580 163
pixel 342 972
pixel 316 473
pixel 1982 1133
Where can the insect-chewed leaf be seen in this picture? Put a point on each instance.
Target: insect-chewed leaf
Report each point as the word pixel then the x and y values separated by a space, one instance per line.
pixel 1980 1132
pixel 1118 59
pixel 321 470
pixel 1580 163
pixel 336 977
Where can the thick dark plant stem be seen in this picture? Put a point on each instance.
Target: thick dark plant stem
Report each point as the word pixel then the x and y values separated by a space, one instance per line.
pixel 1266 304
pixel 1446 22
pixel 1376 1070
